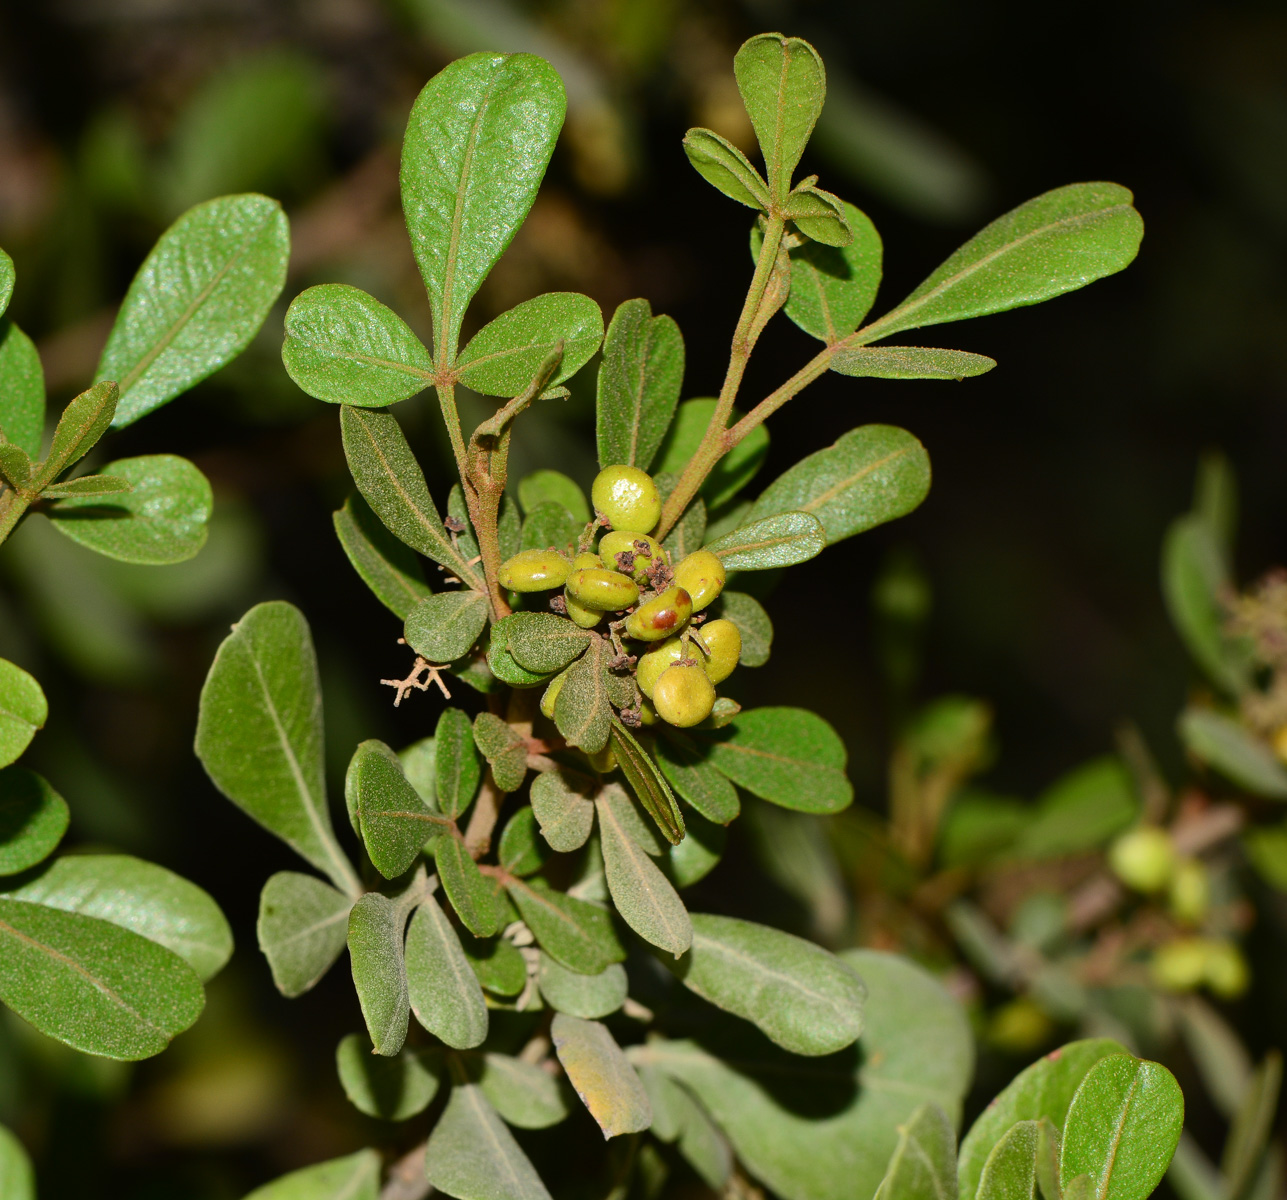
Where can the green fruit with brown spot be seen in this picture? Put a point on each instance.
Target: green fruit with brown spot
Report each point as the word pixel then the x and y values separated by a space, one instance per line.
pixel 652 663
pixel 661 616
pixel 534 571
pixel 627 496
pixel 636 562
pixel 723 640
pixel 600 590
pixel 684 694
pixel 702 576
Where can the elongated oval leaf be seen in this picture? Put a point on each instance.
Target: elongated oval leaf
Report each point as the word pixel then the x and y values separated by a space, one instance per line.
pixel 1010 1172
pixel 457 770
pixel 80 426
pixel 473 1156
pixel 752 622
pixel 259 734
pixel 582 711
pixel 506 753
pixel 394 822
pixel 563 809
pixel 376 927
pixel 302 929
pixel 33 819
pixel 22 390
pixel 443 627
pixel 91 984
pixel 1244 1150
pixel 524 1094
pixel 472 895
pixel 777 541
pixel 1234 751
pixel 392 1089
pixel 697 780
pixel 445 993
pixel 17 1179
pixel 87 485
pixel 648 783
pixel 386 565
pixel 23 710
pixel 197 301
pixel 588 996
pixel 574 932
pixel 910 362
pixel 550 525
pixel 725 168
pixel 698 854
pixel 1058 242
pixel 498 964
pixel 355 1177
pixel 732 473
pixel 603 1078
pixel 923 1167
pixel 342 345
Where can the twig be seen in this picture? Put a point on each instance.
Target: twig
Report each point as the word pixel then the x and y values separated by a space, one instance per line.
pixel 407 1177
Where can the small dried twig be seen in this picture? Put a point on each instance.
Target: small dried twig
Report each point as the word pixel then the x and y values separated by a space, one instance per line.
pixel 422 666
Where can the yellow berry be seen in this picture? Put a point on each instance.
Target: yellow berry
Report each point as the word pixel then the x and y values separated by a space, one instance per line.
pixel 654 661
pixel 1020 1027
pixel 684 694
pixel 647 714
pixel 603 591
pixel 661 616
pixel 551 694
pixel 1190 891
pixel 1226 970
pixel 534 571
pixel 605 761
pixel 588 559
pixel 724 641
pixel 1143 858
pixel 621 541
pixel 627 496
pixel 1280 743
pixel 702 576
pixel 1180 966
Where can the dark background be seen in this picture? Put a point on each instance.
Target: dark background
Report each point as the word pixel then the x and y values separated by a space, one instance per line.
pixel 1055 476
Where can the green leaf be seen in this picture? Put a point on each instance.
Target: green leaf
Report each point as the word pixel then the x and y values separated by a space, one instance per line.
pixel 639 383
pixel 1010 1171
pixel 923 1167
pixel 457 770
pixel 824 1129
pixel 445 993
pixel 799 995
pixel 1122 1127
pixel 87 485
pixel 872 474
pixel 391 1089
pixel 81 424
pixel 582 711
pixel 504 356
pixel 697 780
pixel 698 854
pixel 1252 1126
pixel 563 809
pixel 502 663
pixel 384 563
pixel 497 963
pixel 1191 1173
pixel 1080 811
pixel 23 710
pixel 543 642
pixel 576 933
pixel 17 1179
pixel 732 473
pixel 343 346
pixel 355 1177
pixel 136 895
pixel 477 144
pixel 259 734
pixel 787 755
pixel 588 996
pixel 631 820
pixel 15 466
pixel 818 214
pixel 648 783
pixel 392 483
pixel 910 362
pixel 1043 1090
pixel 6 280
pixel 752 622
pixel 33 819
pixel 640 892
pixel 519 852
pixel 91 984
pixel 689 532
pixel 472 895
pixel 376 927
pixel 443 627
pixel 524 1094
pixel 393 820
pixel 608 1086
pixel 783 84
pixel 472 1155
pixel 197 301
pixel 700 1142
pixel 550 525
pixel 1231 749
pixel 546 486
pixel 1222 1062
pixel 777 541
pixel 725 168
pixel 1058 242
pixel 161 520
pixel 420 766
pixel 22 390
pixel 303 928
pixel 504 749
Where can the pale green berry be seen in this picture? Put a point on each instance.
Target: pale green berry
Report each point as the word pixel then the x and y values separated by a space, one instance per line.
pixel 661 616
pixel 1143 858
pixel 653 662
pixel 551 694
pixel 723 640
pixel 534 571
pixel 605 761
pixel 586 618
pixel 627 496
pixel 1190 892
pixel 601 590
pixel 684 694
pixel 647 714
pixel 621 541
pixel 1020 1027
pixel 1227 974
pixel 702 576
pixel 1181 965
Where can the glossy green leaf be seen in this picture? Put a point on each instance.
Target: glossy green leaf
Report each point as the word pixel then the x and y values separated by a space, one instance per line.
pixel 457 770
pixel 472 895
pixel 552 487
pixel 787 755
pixel 777 541
pixel 725 168
pixel 384 563
pixel 497 962
pixel 136 895
pixel 392 483
pixel 575 933
pixel 870 475
pixel 752 622
pixel 923 1167
pixel 504 749
pixel 800 996
pixel 520 852
pixel 472 1155
pixel 582 711
pixel 162 519
pixel 23 710
pixel 698 854
pixel 647 783
pixel 1234 751
pixel 197 301
pixel 543 642
pixel 259 734
pixel 87 485
pixel 17 1179
pixel 550 526
pixel 394 821
pixel 640 892
pixel 303 928
pixel 1122 1127
pixel 1252 1126
pixel 783 84
pixel 910 362
pixel 688 770
pixel 588 996
pixel 1078 812
pixel 1010 1171
pixel 1043 1090
pixel 524 1094
pixel 732 473
pixel 502 358
pixel 443 627
pixel 477 143
pixel 354 1177
pixel 343 346
pixel 391 1089
pixel 563 808
pixel 602 1076
pixel 80 426
pixel 639 383
pixel 1058 242
pixel 376 927
pixel 818 214
pixel 91 984
pixel 22 390
pixel 445 993
pixel 33 819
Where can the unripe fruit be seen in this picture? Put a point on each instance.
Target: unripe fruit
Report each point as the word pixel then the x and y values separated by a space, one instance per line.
pixel 1226 971
pixel 1180 966
pixel 620 541
pixel 627 496
pixel 647 714
pixel 661 616
pixel 586 618
pixel 724 641
pixel 1280 743
pixel 652 663
pixel 684 694
pixel 534 571
pixel 588 559
pixel 1020 1027
pixel 551 693
pixel 1190 892
pixel 1143 858
pixel 605 761
pixel 702 576
pixel 602 591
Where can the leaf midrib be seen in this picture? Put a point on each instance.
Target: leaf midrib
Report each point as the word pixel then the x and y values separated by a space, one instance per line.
pixel 640 864
pixel 844 484
pixel 757 967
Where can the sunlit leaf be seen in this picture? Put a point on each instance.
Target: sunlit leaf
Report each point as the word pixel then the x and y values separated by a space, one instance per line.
pixel 1010 1171
pixel 910 362
pixel 80 426
pixel 776 541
